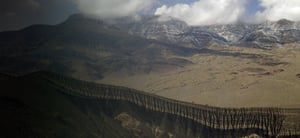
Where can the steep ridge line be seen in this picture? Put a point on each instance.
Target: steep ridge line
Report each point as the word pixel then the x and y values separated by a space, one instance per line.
pixel 270 120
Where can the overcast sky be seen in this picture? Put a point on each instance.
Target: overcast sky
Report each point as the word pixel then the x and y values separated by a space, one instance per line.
pixel 16 14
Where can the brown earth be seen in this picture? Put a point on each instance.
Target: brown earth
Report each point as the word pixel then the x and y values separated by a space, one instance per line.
pixel 231 77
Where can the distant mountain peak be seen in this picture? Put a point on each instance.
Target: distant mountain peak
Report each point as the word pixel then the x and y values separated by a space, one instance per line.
pixel 284 22
pixel 81 18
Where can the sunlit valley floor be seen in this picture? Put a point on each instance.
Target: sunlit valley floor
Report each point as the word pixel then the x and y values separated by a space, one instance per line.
pixel 231 77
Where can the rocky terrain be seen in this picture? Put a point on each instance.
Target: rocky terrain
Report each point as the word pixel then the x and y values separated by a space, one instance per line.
pixel 265 35
pixel 234 64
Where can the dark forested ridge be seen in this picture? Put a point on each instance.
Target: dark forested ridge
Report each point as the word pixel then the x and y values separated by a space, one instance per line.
pixel 45 103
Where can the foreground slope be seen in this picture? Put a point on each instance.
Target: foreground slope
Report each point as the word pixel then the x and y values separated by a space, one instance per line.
pixel 46 104
pixel 33 107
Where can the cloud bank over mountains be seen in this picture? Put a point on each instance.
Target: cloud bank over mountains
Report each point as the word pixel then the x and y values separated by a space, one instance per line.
pixel 195 12
pixel 278 9
pixel 208 12
pixel 16 14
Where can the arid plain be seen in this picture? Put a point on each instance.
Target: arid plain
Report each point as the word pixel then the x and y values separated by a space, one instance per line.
pixel 226 77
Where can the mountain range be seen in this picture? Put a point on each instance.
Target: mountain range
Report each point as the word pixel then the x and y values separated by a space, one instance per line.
pixel 90 48
pixel 265 35
pixel 234 65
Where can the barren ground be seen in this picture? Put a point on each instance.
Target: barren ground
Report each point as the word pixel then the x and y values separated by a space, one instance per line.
pixel 231 77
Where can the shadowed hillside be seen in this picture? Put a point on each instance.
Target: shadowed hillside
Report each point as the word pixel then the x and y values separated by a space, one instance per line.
pixel 31 107
pixel 38 105
pixel 86 48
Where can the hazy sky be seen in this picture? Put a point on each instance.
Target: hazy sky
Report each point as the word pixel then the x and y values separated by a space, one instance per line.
pixel 16 14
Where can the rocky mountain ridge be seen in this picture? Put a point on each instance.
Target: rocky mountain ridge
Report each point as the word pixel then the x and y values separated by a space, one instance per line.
pixel 264 35
pixel 90 47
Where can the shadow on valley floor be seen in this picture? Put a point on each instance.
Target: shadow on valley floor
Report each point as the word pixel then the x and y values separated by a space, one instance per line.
pixel 231 54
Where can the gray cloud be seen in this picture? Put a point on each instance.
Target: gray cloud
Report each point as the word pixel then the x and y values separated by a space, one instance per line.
pixel 112 8
pixel 16 14
pixel 206 12
pixel 278 9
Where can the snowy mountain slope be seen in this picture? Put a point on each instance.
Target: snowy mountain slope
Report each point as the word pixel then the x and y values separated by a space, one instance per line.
pixel 264 35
